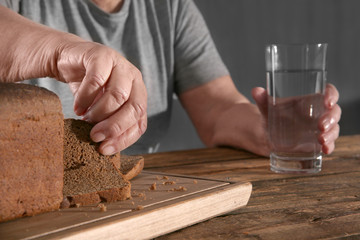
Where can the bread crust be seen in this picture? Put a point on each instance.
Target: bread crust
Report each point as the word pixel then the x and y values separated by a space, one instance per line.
pixel 31 150
pixel 131 166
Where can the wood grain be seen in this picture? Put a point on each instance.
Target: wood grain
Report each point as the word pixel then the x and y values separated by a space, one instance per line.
pixel 160 204
pixel 283 206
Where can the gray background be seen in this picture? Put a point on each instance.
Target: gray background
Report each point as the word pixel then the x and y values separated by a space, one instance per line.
pixel 241 28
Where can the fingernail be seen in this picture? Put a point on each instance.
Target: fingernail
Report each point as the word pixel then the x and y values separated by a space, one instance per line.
pixel 326 124
pixel 87 117
pixel 108 150
pixel 324 139
pixel 79 111
pixel 98 137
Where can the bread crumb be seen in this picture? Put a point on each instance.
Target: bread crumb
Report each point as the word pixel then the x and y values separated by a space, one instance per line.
pixel 158 178
pixel 77 205
pixel 102 207
pixel 153 186
pixel 139 207
pixel 179 189
pixel 142 195
pixel 165 177
pixel 169 183
pixel 139 194
pixel 132 203
pixel 195 181
pixel 65 203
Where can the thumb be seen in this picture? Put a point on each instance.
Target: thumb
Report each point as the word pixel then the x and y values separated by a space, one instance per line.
pixel 260 96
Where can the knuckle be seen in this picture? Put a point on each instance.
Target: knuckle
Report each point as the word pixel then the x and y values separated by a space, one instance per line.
pixel 119 97
pixel 115 129
pixel 137 74
pixel 138 110
pixel 96 81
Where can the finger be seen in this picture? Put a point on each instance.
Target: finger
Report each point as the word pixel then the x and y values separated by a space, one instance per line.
pixel 331 95
pixel 98 70
pixel 329 148
pixel 329 136
pixel 118 123
pixel 116 93
pixel 260 96
pixel 327 139
pixel 330 118
pixel 125 140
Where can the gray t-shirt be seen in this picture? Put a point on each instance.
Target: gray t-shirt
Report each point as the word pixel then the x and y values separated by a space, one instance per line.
pixel 167 40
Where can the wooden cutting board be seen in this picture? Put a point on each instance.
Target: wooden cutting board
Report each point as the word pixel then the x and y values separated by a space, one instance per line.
pixel 160 204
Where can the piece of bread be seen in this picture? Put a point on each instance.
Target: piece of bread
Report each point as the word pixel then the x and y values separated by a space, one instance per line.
pixel 131 166
pixel 89 177
pixel 31 150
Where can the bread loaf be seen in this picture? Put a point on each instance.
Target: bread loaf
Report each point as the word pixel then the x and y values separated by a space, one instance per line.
pixel 40 163
pixel 31 150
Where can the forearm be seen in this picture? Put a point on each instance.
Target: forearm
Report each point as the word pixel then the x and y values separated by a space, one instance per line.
pixel 205 102
pixel 242 126
pixel 27 49
pixel 223 116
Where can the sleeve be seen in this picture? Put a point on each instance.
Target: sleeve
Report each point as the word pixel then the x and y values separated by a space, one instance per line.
pixel 12 4
pixel 197 60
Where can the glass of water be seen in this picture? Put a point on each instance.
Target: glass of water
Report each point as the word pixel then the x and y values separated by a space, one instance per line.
pixel 295 78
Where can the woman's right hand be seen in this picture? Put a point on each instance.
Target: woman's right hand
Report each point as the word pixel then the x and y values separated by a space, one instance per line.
pixel 109 91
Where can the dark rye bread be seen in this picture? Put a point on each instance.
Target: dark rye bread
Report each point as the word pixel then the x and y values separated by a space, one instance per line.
pixel 89 177
pixel 31 151
pixel 131 166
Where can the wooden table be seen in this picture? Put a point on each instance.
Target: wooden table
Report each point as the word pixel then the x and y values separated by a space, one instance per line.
pixel 282 206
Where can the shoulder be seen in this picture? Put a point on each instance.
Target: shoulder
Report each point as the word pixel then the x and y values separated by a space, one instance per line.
pixel 183 8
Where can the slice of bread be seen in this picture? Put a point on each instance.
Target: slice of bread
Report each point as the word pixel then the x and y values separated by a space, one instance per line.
pixel 131 166
pixel 89 177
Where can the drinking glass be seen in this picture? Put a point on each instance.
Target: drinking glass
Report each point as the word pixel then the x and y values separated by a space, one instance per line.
pixel 295 79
